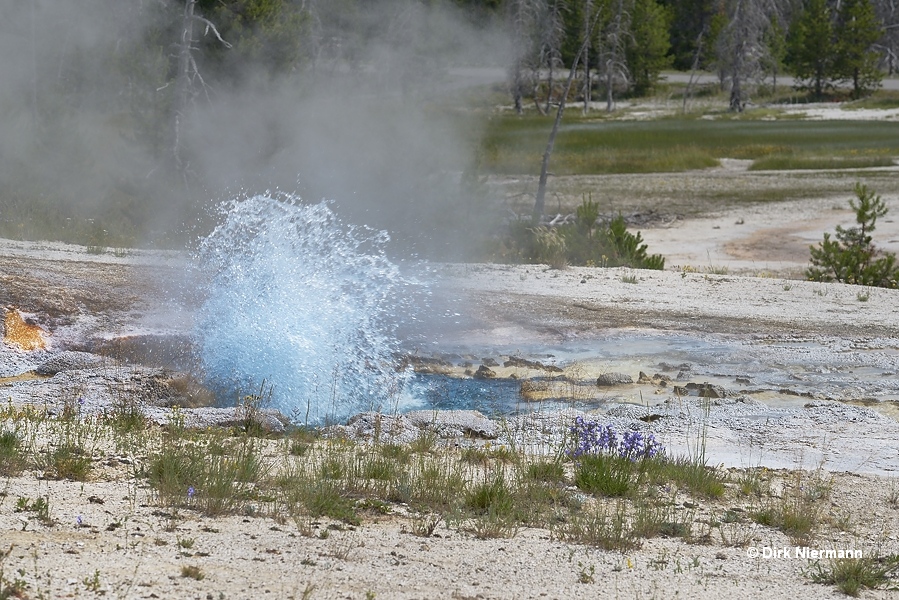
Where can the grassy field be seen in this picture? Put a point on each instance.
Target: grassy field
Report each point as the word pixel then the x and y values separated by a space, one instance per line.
pixel 601 488
pixel 514 145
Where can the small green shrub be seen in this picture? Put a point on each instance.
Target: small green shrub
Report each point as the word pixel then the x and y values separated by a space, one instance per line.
pixel 435 485
pixel 584 242
pixel 852 257
pixel 192 572
pixel 424 443
pixel 249 411
pixel 325 499
pixel 692 475
pixel 493 495
pixel 175 468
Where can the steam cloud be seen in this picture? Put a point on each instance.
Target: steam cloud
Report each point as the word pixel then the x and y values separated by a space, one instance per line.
pixel 83 135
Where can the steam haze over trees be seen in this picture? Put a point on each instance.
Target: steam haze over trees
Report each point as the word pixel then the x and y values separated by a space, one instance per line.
pixel 122 120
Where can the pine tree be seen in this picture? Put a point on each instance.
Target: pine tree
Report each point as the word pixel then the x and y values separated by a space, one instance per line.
pixel 812 53
pixel 857 30
pixel 852 257
pixel 646 52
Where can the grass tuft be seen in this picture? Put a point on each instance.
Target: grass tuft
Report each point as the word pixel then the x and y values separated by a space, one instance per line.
pixel 851 575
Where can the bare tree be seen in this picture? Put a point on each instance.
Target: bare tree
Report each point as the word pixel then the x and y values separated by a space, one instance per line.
pixel 588 80
pixel 552 34
pixel 188 77
pixel 521 21
pixel 612 44
pixel 742 46
pixel 540 201
pixel 888 45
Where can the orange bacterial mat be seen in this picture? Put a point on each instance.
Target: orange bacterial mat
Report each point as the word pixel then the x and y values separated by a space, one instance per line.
pixel 21 333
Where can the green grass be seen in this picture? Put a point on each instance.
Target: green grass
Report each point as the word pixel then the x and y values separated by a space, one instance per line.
pixel 484 491
pixel 602 527
pixel 798 510
pixel 514 145
pixel 879 99
pixel 12 457
pixel 605 474
pixel 851 575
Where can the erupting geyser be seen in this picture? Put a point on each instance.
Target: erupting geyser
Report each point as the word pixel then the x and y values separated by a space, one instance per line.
pixel 303 302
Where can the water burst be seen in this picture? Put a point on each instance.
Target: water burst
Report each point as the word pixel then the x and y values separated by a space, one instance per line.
pixel 302 302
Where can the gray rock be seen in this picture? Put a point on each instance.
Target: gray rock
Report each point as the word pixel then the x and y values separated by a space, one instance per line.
pixel 610 379
pixel 657 379
pixel 454 423
pixel 516 361
pixel 630 412
pixel 394 428
pixel 70 360
pixel 271 420
pixel 484 373
pixel 706 390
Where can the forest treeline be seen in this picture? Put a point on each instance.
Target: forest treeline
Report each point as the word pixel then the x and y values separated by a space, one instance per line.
pixel 114 114
pixel 823 43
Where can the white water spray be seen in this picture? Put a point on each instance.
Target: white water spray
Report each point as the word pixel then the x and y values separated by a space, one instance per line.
pixel 302 302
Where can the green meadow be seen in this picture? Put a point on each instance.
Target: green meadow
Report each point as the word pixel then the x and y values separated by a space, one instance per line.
pixel 587 146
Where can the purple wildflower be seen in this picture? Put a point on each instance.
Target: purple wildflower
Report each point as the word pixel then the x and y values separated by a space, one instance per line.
pixel 594 438
pixel 190 492
pixel 78 520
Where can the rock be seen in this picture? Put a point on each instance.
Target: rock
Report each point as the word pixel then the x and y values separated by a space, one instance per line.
pixel 628 412
pixel 396 428
pixel 534 391
pixel 657 379
pixel 70 360
pixel 454 423
pixel 706 390
pixel 489 362
pixel 484 373
pixel 271 420
pixel 429 365
pixel 702 390
pixel 651 418
pixel 515 361
pixel 610 379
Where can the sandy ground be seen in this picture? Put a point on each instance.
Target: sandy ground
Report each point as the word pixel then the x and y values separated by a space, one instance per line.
pixel 134 547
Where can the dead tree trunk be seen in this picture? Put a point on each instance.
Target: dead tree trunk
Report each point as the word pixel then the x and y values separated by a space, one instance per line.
pixel 613 62
pixel 540 201
pixel 519 19
pixel 689 90
pixel 588 82
pixel 187 73
pixel 182 84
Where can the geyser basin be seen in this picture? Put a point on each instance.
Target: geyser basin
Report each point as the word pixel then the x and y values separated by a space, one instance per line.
pixel 781 372
pixel 304 303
